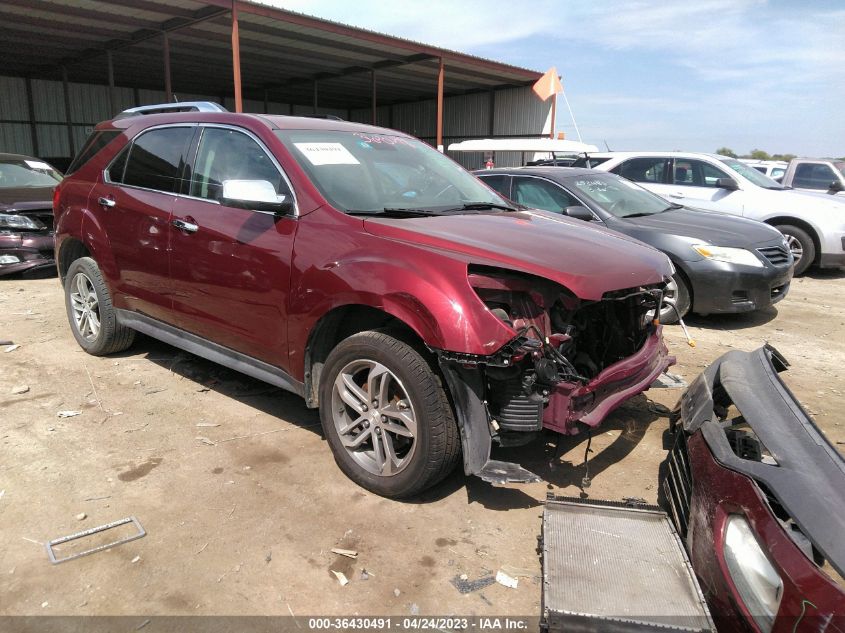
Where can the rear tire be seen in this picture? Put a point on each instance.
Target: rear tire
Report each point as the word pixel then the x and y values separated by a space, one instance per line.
pixel 386 416
pixel 802 246
pixel 92 318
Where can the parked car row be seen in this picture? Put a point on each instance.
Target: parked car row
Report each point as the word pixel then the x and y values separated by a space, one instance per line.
pixel 722 263
pixel 814 225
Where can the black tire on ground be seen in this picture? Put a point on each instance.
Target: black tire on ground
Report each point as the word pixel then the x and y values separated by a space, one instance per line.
pixel 682 301
pixel 437 441
pixel 796 236
pixel 111 336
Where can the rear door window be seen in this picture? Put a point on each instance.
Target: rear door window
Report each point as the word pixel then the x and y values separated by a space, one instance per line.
pixel 647 169
pixel 499 182
pixel 157 159
pixel 542 194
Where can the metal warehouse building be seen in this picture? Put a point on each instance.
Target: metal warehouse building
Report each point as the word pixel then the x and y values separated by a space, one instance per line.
pixel 69 64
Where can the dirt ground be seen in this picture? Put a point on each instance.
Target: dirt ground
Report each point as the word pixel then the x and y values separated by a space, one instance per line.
pixel 242 501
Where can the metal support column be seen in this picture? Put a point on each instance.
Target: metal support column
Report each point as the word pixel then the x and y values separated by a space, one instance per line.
pixel 67 112
pixel 236 58
pixel 440 74
pixel 30 104
pixel 168 87
pixel 373 96
pixel 110 70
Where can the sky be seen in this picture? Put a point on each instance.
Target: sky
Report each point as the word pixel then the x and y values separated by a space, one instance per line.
pixel 659 75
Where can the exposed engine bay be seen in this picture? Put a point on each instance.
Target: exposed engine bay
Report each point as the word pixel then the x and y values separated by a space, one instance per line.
pixel 562 343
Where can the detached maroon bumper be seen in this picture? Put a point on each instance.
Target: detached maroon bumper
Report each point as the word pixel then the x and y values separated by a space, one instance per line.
pixel 25 252
pixel 593 402
pixel 747 454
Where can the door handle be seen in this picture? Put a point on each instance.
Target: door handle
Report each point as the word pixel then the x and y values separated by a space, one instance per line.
pixel 107 203
pixel 188 227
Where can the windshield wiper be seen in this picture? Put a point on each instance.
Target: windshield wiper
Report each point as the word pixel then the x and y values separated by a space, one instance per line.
pixel 639 215
pixel 481 206
pixel 394 212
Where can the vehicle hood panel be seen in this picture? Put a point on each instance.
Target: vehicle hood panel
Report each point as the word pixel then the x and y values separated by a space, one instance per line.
pixel 707 227
pixel 588 260
pixel 26 198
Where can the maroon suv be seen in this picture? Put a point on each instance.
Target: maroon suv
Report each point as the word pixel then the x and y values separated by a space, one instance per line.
pixel 356 266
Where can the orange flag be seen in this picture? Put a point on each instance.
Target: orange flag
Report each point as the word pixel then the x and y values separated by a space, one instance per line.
pixel 548 84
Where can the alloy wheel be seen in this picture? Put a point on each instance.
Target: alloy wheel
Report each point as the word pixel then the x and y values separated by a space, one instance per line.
pixel 794 245
pixel 86 307
pixel 374 417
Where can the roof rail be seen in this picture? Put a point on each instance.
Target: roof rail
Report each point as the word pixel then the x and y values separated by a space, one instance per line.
pixel 329 117
pixel 184 106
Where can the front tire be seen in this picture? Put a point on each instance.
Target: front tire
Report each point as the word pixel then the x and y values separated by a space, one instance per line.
pixel 92 318
pixel 677 294
pixel 386 416
pixel 802 246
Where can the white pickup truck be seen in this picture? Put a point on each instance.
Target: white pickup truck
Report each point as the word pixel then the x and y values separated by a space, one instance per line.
pixel 815 174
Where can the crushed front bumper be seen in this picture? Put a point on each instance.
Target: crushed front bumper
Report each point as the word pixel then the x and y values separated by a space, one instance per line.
pixel 25 252
pixel 792 499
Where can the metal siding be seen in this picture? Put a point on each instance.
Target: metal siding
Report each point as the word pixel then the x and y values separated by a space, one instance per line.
pixel 418 119
pixel 52 141
pixel 151 97
pixel 49 101
pixel 89 103
pixel 15 138
pixel 13 99
pixel 519 112
pixel 467 115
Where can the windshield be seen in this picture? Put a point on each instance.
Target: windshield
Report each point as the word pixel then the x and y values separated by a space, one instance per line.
pixel 749 173
pixel 25 172
pixel 371 173
pixel 619 196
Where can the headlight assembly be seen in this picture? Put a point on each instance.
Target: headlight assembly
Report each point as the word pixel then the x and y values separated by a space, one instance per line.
pixel 19 222
pixel 728 255
pixel 757 582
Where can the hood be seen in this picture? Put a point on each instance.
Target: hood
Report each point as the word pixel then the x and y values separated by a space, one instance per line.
pixel 25 198
pixel 718 229
pixel 780 200
pixel 588 260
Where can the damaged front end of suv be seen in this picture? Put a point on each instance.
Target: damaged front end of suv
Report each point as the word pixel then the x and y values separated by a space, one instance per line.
pixel 756 492
pixel 569 363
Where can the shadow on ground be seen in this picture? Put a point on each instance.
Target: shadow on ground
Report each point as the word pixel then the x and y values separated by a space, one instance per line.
pixel 740 321
pixel 541 457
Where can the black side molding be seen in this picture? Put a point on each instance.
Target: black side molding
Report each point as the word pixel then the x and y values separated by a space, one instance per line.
pixel 211 351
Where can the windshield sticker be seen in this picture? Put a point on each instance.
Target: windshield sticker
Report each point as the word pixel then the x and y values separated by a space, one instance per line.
pixel 37 164
pixel 327 154
pixel 592 185
pixel 383 139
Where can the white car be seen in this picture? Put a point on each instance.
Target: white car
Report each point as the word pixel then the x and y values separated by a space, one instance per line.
pixel 814 225
pixel 774 169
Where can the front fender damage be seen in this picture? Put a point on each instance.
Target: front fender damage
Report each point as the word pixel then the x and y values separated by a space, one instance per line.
pixel 570 363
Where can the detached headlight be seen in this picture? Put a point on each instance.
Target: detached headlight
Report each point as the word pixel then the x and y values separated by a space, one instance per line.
pixel 727 255
pixel 756 581
pixel 19 222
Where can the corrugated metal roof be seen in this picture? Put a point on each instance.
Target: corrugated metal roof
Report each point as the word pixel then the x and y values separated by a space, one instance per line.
pixel 282 52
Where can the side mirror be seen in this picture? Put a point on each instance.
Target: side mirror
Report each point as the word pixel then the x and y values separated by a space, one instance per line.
pixel 727 183
pixel 258 195
pixel 579 213
pixel 835 186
